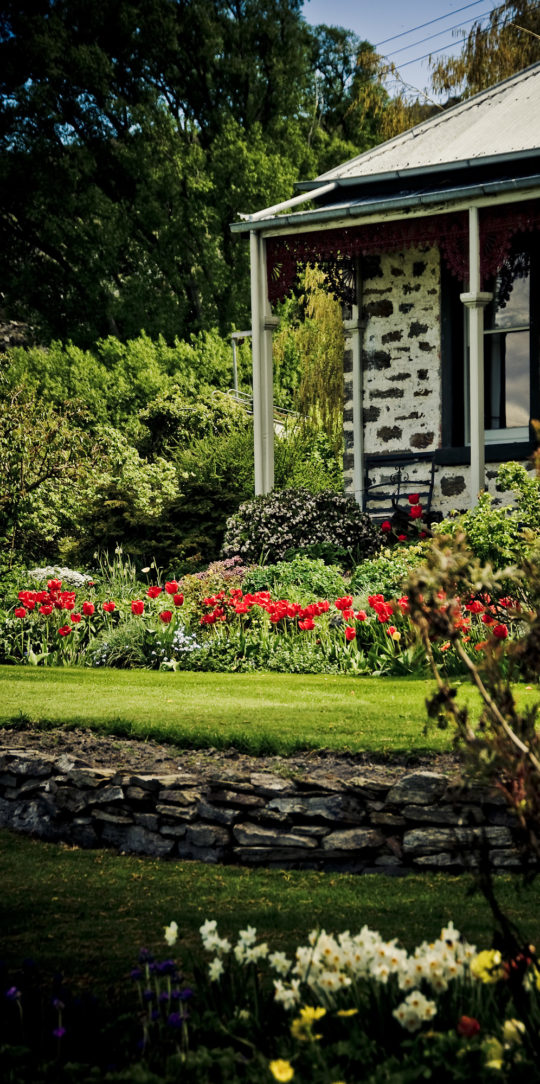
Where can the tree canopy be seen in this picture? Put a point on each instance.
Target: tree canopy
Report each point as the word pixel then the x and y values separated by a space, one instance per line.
pixel 131 134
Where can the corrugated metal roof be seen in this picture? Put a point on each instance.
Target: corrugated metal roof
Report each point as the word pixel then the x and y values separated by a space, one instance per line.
pixel 504 119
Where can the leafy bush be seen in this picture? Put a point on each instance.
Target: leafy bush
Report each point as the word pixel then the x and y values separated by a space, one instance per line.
pixel 305 459
pixel 498 536
pixel 493 534
pixel 387 573
pixel 526 488
pixel 180 417
pixel 268 526
pixel 296 578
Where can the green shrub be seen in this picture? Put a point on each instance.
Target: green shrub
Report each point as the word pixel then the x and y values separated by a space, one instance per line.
pixel 302 576
pixel 387 573
pixel 305 459
pixel 526 488
pixel 493 534
pixel 268 526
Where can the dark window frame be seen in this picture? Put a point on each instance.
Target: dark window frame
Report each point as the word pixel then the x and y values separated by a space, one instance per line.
pixel 453 449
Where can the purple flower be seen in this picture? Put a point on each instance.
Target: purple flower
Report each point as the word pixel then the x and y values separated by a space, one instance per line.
pixel 155 1014
pixel 59 1033
pixel 168 967
pixel 175 1020
pixel 148 995
pixel 164 996
pixel 136 974
pixel 185 995
pixel 13 993
pixel 58 1004
pixel 145 957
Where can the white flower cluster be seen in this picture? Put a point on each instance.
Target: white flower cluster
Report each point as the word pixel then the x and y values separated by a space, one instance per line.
pixel 328 964
pixel 69 577
pixel 246 951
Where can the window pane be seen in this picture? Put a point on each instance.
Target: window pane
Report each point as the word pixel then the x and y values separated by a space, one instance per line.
pixel 507 380
pixel 516 310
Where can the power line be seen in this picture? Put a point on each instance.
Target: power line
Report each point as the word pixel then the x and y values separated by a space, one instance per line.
pixel 457 41
pixel 429 23
pixel 437 34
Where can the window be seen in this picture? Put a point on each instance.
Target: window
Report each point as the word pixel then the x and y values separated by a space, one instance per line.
pixel 507 386
pixel 511 359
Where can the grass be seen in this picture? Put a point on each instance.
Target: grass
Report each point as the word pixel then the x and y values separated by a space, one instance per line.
pixel 86 913
pixel 257 713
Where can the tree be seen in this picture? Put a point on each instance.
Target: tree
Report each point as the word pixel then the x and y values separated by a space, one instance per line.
pixel 508 43
pixel 132 132
pixel 124 127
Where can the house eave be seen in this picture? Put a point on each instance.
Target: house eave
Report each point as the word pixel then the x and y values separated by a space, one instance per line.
pixel 411 204
pixel 408 173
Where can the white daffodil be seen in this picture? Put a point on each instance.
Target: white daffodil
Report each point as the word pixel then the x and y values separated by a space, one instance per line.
pixel 215 969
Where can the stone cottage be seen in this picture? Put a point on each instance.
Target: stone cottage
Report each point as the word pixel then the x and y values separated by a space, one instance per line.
pixel 431 241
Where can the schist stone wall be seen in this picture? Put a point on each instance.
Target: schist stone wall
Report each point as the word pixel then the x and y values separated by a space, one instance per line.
pixel 401 367
pixel 376 821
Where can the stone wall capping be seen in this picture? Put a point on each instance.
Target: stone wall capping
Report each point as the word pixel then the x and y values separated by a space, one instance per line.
pixel 387 820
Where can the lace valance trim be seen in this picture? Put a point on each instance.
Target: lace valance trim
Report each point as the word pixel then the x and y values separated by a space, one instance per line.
pixel 336 250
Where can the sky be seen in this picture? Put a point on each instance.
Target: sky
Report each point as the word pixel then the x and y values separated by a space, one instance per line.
pixel 379 21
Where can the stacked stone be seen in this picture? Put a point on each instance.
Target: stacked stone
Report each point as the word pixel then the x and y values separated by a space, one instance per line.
pixel 370 823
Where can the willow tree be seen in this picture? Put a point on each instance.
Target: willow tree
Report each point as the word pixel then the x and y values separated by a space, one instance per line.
pixel 509 42
pixel 308 354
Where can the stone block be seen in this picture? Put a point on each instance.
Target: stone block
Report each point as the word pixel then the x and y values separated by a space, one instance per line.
pixel 111 818
pixel 179 796
pixel 215 814
pixel 461 815
pixel 208 835
pixel 147 820
pixel 353 839
pixel 106 795
pixel 140 840
pixel 256 835
pixel 236 798
pixel 418 788
pixel 176 812
pixel 423 841
pixel 31 765
pixel 335 807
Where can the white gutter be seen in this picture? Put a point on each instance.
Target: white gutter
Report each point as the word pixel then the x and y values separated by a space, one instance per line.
pixel 304 197
pixel 397 207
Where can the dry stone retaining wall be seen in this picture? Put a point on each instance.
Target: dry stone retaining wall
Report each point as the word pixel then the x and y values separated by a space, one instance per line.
pixel 367 823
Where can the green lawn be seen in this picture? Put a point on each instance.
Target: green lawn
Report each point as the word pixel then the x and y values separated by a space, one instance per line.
pixel 88 912
pixel 258 713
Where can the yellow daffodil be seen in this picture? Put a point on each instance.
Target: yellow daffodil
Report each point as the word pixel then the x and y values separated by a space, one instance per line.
pixel 281 1070
pixel 493 1053
pixel 346 1012
pixel 487 966
pixel 513 1031
pixel 302 1026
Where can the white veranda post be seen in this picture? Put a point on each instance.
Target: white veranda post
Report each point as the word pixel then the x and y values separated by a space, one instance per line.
pixel 475 301
pixel 354 330
pixel 263 382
